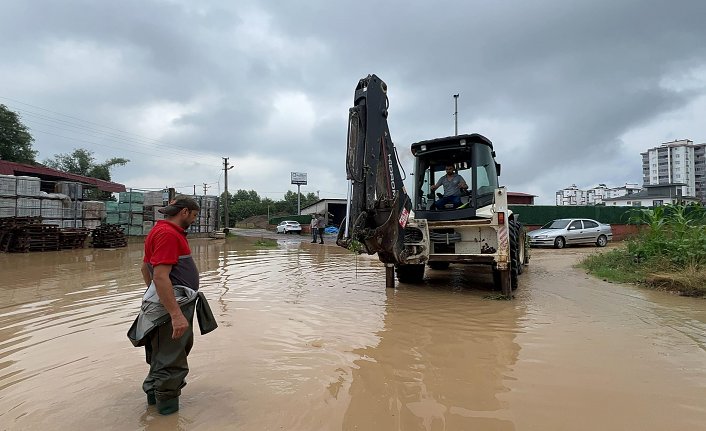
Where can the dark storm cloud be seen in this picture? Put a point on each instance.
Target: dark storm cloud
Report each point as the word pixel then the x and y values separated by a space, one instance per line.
pixel 555 85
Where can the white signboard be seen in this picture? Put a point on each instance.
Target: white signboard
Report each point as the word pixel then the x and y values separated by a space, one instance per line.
pixel 299 178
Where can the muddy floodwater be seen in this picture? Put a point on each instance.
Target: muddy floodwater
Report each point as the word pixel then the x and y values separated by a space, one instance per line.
pixel 310 339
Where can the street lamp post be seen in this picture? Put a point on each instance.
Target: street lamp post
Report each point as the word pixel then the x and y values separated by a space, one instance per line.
pixel 226 168
pixel 456 114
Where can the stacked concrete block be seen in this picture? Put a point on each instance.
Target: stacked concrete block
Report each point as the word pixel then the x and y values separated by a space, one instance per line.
pixel 131 212
pixel 8 206
pixel 27 186
pixel 28 207
pixel 208 216
pixel 51 208
pixel 71 189
pixel 93 214
pixel 8 185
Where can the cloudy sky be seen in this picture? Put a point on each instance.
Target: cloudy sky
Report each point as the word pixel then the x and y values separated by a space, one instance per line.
pixel 569 92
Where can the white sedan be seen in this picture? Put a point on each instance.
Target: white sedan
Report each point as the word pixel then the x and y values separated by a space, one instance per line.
pixel 289 226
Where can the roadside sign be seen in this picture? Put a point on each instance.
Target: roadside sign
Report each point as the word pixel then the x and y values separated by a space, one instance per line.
pixel 299 178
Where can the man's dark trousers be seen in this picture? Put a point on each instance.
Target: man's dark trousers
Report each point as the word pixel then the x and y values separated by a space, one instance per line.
pixel 167 358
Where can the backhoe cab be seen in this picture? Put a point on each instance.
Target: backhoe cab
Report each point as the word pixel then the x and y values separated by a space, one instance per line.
pixel 474 226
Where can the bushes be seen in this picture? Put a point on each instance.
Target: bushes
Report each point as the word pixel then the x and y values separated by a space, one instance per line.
pixel 676 233
pixel 669 253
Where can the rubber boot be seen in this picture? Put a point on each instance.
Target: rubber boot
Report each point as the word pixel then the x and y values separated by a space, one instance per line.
pixel 169 406
pixel 151 398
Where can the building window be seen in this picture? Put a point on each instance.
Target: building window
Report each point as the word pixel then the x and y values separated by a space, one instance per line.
pixel 636 203
pixel 657 203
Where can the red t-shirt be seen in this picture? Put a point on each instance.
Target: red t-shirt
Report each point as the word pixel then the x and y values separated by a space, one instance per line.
pixel 166 244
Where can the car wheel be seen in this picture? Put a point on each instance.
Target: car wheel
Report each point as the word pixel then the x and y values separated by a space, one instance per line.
pixel 559 242
pixel 602 241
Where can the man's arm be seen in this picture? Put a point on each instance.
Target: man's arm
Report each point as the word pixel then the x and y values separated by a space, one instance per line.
pixel 146 274
pixel 165 290
pixel 462 183
pixel 437 185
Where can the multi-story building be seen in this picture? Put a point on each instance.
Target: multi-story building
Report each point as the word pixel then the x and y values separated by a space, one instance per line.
pixel 653 196
pixel 677 162
pixel 594 196
pixel 571 196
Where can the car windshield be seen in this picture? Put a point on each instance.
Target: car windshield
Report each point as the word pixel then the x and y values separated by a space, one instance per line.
pixel 556 224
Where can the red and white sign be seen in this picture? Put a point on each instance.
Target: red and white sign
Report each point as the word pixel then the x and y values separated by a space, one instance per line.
pixel 404 216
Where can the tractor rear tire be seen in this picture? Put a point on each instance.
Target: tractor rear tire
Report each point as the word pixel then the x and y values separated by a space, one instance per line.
pixel 514 254
pixel 412 274
pixel 439 265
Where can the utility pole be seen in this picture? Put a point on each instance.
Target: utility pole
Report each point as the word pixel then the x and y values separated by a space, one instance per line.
pixel 299 200
pixel 194 189
pixel 456 114
pixel 205 186
pixel 226 168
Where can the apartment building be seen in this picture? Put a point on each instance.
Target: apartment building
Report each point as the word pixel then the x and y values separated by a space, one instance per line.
pixel 594 196
pixel 677 162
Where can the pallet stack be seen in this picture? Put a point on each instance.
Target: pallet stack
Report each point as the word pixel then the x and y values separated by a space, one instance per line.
pixel 109 236
pixel 70 238
pixel 25 234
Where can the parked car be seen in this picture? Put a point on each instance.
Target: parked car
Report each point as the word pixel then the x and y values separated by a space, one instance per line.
pixel 288 226
pixel 567 231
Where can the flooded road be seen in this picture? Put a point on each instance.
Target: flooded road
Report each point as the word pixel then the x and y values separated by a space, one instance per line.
pixel 310 339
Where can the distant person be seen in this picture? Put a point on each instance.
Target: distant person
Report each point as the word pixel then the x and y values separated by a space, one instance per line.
pixel 453 184
pixel 321 225
pixel 164 325
pixel 314 228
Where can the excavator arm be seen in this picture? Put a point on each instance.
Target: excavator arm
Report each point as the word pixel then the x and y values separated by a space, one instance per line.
pixel 378 204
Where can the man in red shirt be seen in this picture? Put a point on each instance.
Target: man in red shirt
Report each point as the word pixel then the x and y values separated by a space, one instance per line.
pixel 168 268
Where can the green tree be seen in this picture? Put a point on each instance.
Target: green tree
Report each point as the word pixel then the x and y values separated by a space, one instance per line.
pixel 247 203
pixel 15 139
pixel 289 204
pixel 82 162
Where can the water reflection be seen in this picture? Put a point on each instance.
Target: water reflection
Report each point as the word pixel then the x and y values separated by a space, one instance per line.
pixel 440 363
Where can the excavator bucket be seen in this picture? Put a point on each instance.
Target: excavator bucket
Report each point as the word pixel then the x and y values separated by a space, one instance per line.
pixel 381 232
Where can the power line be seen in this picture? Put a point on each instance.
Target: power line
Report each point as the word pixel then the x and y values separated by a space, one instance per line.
pixel 83 129
pixel 162 156
pixel 170 146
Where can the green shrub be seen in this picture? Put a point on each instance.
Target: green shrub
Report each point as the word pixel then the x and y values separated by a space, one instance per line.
pixel 676 233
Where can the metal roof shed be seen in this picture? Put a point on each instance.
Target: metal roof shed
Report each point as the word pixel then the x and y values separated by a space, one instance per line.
pixel 49 174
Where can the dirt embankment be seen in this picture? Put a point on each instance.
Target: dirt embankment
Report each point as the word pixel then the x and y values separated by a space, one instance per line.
pixel 254 222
